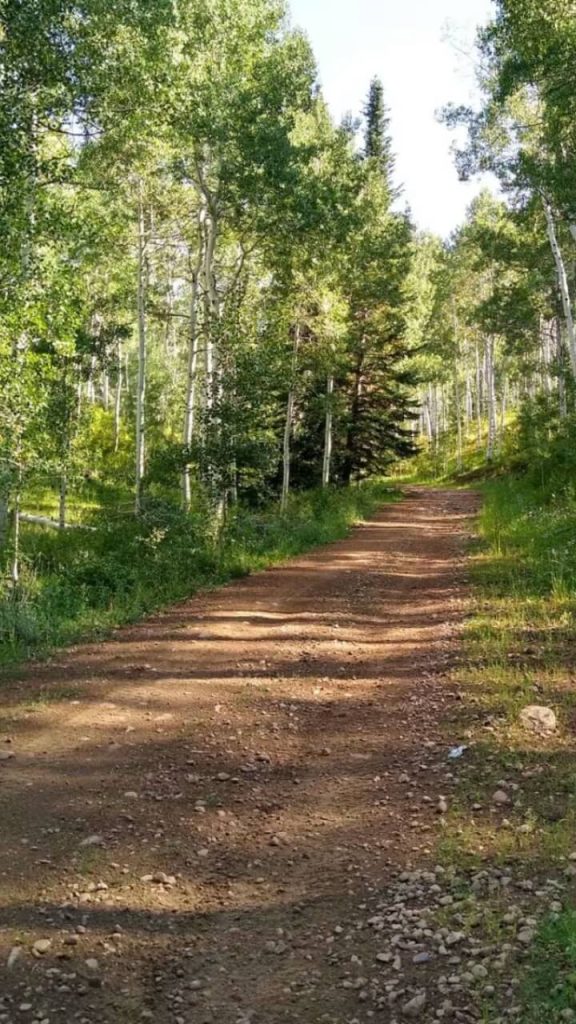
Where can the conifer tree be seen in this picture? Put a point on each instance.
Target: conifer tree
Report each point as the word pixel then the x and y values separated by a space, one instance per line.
pixel 378 143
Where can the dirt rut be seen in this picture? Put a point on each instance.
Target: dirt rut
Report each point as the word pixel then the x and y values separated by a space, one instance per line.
pixel 200 812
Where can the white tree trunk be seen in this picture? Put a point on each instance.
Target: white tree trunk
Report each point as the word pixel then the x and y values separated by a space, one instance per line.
pixel 63 500
pixel 191 379
pixel 562 283
pixel 15 559
pixel 459 436
pixel 90 386
pixel 105 389
pixel 326 464
pixel 457 402
pixel 468 407
pixel 558 354
pixel 141 386
pixel 4 518
pixel 428 418
pixel 288 422
pixel 479 391
pixel 212 308
pixel 491 399
pixel 212 370
pixel 118 398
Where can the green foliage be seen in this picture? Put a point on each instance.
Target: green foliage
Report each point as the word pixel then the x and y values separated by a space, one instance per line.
pixel 550 984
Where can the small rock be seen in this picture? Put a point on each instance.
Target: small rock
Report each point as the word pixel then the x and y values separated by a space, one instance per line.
pixel 41 946
pixel 92 964
pixel 500 797
pixel 415 1006
pixel 92 841
pixel 538 719
pixel 421 958
pixel 14 955
pixel 442 805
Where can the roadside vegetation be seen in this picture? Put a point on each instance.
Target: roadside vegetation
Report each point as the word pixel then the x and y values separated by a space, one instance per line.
pixel 519 651
pixel 117 568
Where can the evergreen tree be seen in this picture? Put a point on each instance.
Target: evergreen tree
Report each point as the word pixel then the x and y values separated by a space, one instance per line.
pixel 377 140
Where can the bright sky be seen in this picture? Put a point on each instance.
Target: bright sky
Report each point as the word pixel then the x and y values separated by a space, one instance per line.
pixel 404 42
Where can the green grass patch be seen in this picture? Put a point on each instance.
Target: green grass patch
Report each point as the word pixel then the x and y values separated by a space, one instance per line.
pixel 520 649
pixel 549 988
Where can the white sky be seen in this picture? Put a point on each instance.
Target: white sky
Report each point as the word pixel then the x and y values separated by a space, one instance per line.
pixel 404 43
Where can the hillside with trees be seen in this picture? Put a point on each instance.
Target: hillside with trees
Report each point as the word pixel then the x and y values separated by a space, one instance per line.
pixel 204 298
pixel 341 790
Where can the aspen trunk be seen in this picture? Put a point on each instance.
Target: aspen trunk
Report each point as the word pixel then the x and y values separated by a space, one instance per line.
pixel 63 500
pixel 105 389
pixel 428 418
pixel 562 398
pixel 212 309
pixel 118 398
pixel 457 403
pixel 15 559
pixel 491 399
pixel 211 368
pixel 478 397
pixel 141 386
pixel 288 422
pixel 459 438
pixel 90 386
pixel 468 404
pixel 562 283
pixel 4 518
pixel 191 378
pixel 328 433
pixel 503 406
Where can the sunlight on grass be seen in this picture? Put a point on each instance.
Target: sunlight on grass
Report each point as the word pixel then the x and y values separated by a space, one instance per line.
pixel 520 649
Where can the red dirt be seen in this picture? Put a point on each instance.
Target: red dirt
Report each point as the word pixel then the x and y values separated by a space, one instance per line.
pixel 247 749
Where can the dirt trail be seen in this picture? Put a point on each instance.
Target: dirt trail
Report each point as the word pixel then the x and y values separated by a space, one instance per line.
pixel 201 812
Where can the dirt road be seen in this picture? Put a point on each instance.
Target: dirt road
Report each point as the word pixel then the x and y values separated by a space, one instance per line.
pixel 201 816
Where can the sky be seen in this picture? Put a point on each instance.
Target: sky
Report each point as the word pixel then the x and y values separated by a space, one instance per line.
pixel 423 52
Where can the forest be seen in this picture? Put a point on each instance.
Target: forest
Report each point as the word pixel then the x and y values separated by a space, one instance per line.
pixel 215 309
pixel 224 342
pixel 195 325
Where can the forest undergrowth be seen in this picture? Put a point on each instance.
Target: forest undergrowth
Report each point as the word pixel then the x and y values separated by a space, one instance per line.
pixel 114 569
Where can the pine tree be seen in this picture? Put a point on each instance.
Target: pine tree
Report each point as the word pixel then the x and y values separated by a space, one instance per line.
pixel 378 142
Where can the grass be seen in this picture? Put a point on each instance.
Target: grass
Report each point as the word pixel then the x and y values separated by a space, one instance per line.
pixel 83 583
pixel 549 989
pixel 520 649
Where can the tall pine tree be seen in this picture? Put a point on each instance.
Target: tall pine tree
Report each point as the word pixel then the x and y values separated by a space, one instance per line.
pixel 378 142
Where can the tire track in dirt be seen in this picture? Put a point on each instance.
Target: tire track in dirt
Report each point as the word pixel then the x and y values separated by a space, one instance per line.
pixel 200 811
